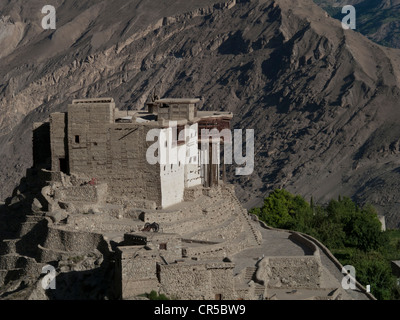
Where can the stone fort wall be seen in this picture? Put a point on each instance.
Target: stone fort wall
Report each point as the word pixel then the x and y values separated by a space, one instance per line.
pixel 198 281
pixel 96 147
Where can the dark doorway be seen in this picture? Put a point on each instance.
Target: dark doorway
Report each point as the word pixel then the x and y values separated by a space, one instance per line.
pixel 41 147
pixel 63 165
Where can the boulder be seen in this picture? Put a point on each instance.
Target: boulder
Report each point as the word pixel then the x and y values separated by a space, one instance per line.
pixel 57 215
pixel 36 206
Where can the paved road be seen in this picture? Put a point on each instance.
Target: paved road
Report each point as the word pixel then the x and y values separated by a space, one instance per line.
pixel 277 243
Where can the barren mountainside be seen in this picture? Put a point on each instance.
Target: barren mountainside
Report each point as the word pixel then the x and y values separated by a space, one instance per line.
pixel 323 101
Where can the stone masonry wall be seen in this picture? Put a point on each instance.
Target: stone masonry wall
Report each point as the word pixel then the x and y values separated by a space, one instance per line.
pixel 136 271
pixel 290 272
pixel 85 194
pixel 197 281
pixel 110 152
pixel 63 240
pixel 222 281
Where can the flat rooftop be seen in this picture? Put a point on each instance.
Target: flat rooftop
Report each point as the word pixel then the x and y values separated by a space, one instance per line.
pixel 144 117
pixel 178 101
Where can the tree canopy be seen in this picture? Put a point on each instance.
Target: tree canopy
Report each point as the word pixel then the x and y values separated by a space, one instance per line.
pixel 354 234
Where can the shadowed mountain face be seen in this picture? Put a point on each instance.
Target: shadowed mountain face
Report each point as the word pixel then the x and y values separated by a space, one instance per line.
pixel 323 101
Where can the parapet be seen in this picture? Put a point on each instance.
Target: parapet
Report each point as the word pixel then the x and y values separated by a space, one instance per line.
pixel 174 109
pixel 95 100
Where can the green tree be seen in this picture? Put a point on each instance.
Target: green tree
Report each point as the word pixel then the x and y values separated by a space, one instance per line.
pixel 364 230
pixel 341 211
pixel 281 209
pixel 372 269
pixel 352 233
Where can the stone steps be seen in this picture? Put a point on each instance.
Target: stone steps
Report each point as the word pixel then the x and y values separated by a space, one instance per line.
pixel 110 227
pixel 34 218
pixel 257 236
pixel 30 222
pixel 10 226
pixel 249 275
pixel 8 246
pixel 12 261
pixel 26 227
pixel 259 291
pixel 196 224
pixel 241 242
pixel 46 254
pixel 10 275
pixel 208 232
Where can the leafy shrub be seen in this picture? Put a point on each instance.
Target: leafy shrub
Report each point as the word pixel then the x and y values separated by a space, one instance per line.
pixel 153 295
pixel 353 234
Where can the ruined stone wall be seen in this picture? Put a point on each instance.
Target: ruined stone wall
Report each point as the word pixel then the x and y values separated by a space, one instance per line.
pixel 16 265
pixel 81 195
pixel 165 217
pixel 222 282
pixel 66 240
pixel 207 251
pixel 87 194
pixel 227 231
pixel 186 282
pixel 191 194
pixel 197 281
pixel 140 271
pixel 169 246
pixel 290 272
pixel 136 271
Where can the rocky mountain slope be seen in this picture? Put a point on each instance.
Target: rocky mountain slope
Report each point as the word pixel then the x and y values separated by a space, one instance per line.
pixel 323 101
pixel 378 20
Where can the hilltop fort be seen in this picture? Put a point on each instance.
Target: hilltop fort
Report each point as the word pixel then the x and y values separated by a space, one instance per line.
pixel 115 226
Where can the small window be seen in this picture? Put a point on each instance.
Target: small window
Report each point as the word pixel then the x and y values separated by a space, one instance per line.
pixel 163 246
pixel 77 139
